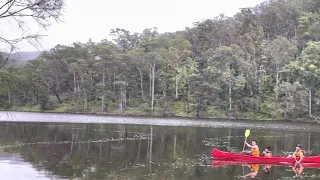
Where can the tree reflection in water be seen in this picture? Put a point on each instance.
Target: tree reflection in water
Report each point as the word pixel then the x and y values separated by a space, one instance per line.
pixel 113 151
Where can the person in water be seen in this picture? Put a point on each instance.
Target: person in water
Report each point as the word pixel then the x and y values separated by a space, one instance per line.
pixel 254 148
pixel 298 154
pixel 267 152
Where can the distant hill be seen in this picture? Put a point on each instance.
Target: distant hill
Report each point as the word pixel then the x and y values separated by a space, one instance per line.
pixel 20 58
pixel 25 56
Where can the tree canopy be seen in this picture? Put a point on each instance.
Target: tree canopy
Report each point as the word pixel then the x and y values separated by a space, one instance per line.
pixel 262 63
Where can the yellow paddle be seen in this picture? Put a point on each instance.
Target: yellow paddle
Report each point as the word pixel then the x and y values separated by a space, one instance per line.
pixel 246 134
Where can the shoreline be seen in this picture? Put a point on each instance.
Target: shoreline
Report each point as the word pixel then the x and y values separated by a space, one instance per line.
pixel 67 118
pixel 119 115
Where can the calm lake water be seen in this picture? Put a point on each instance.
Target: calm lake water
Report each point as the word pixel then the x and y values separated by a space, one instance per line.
pixel 36 150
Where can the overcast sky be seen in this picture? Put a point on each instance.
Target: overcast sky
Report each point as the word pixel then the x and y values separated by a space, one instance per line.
pixel 93 19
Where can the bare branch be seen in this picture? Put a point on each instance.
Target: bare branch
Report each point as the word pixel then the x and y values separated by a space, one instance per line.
pixel 15 41
pixel 6 4
pixel 15 12
pixel 41 11
pixel 10 6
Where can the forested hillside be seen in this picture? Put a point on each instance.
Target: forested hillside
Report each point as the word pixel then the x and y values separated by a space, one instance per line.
pixel 263 63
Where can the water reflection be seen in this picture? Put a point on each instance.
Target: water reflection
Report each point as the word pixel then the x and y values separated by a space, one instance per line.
pixel 118 151
pixel 254 168
pixel 267 169
pixel 270 171
pixel 298 169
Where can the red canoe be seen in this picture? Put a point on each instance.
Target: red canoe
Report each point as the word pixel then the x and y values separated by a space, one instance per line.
pixel 221 155
pixel 220 163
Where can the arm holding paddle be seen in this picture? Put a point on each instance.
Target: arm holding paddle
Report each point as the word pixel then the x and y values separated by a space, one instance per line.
pixel 294 155
pixel 250 146
pixel 246 134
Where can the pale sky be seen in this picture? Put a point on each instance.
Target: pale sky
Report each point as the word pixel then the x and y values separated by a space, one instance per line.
pixel 85 19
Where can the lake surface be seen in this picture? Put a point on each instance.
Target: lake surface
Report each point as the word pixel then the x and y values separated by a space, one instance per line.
pixel 43 150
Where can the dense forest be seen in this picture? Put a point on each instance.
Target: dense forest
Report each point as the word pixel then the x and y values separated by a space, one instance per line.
pixel 262 63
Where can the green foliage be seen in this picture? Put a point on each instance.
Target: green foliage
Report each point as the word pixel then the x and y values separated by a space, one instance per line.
pixel 180 109
pixel 213 112
pixel 262 63
pixel 144 107
pixel 294 99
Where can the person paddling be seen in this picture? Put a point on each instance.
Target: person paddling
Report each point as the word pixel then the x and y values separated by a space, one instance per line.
pixel 254 148
pixel 267 152
pixel 298 154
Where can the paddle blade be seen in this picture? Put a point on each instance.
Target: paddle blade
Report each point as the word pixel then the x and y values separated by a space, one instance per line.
pixel 247 133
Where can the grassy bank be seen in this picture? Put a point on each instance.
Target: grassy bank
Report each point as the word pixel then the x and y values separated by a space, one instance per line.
pixel 176 109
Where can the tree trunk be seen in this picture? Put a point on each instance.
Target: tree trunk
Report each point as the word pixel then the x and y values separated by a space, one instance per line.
pixel 9 96
pixel 310 102
pixel 287 106
pixel 165 103
pixel 57 95
pixel 37 96
pixel 91 89
pixel 198 107
pixel 230 99
pixel 141 83
pixel 74 82
pixel 85 100
pixel 25 96
pixel 120 99
pixel 34 96
pixel 150 82
pixel 309 142
pixel 277 85
pixel 78 87
pixel 153 79
pixel 129 99
pixel 259 83
pixel 85 95
pixel 114 80
pixel 177 89
pixel 188 98
pixel 255 71
pixel 125 97
pixel 103 91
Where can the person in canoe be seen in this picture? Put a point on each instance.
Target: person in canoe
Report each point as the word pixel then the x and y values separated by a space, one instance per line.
pixel 267 152
pixel 254 148
pixel 298 155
